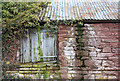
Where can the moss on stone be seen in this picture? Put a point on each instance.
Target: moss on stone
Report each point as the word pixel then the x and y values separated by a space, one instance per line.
pixel 40 52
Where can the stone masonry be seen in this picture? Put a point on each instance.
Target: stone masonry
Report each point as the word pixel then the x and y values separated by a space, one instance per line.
pixel 67 45
pixel 100 57
pixel 102 41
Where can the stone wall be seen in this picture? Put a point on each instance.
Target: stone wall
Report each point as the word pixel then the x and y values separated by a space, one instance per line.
pixel 102 42
pixel 10 48
pixel 67 53
pixel 100 58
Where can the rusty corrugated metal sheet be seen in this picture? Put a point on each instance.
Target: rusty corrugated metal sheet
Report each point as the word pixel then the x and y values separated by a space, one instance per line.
pixel 83 9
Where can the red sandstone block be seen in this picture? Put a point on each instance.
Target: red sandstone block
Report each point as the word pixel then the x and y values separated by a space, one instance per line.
pixel 63 32
pixel 92 49
pixel 64 75
pixel 114 59
pixel 86 68
pixel 85 58
pixel 114 25
pixel 65 28
pixel 64 35
pixel 104 44
pixel 62 45
pixel 108 24
pixel 117 64
pixel 62 39
pixel 95 72
pixel 114 50
pixel 90 63
pixel 93 54
pixel 115 29
pixel 114 44
pixel 111 68
pixel 105 55
pixel 110 40
pixel 114 33
pixel 83 72
pixel 108 63
pixel 106 33
pixel 107 49
pixel 102 29
pixel 105 25
pixel 111 72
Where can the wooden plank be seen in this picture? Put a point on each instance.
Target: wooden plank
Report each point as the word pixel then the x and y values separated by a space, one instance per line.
pixel 25 47
pixel 18 56
pixel 48 45
pixel 29 46
pixel 43 40
pixel 34 42
pixel 21 51
pixel 27 55
pixel 47 56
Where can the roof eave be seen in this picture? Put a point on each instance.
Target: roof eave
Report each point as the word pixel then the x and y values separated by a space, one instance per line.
pixel 101 21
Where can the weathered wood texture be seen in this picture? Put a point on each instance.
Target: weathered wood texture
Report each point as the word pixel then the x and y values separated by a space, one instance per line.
pixel 38 44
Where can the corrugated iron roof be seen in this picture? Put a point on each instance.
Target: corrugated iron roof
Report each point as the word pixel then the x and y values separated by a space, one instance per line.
pixel 83 9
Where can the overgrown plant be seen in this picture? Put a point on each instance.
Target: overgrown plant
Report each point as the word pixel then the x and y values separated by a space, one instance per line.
pixel 17 18
pixel 80 47
pixel 40 52
pixel 80 41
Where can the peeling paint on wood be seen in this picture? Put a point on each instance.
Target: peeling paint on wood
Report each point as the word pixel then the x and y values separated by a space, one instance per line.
pixel 29 47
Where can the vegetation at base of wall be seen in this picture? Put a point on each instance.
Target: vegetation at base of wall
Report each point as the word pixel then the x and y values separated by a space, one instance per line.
pixel 44 75
pixel 6 67
pixel 42 71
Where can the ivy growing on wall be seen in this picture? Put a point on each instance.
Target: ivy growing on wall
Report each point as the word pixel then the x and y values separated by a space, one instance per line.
pixel 17 18
pixel 80 41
